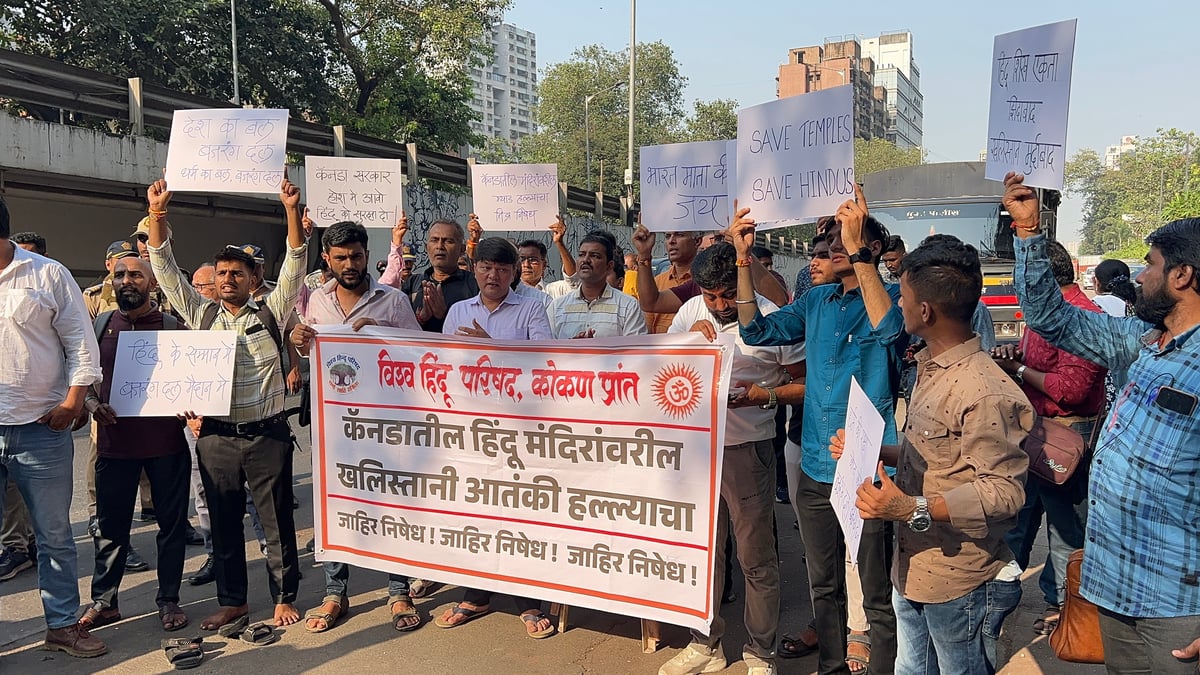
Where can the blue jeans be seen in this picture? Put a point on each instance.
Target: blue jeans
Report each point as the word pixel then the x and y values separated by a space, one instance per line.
pixel 956 637
pixel 337 581
pixel 40 462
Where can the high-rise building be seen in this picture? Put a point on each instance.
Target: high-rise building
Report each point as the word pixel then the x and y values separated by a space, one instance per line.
pixel 1112 153
pixel 506 89
pixel 887 83
pixel 897 73
pixel 836 63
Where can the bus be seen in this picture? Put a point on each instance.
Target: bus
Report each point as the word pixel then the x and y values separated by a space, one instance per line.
pixel 954 198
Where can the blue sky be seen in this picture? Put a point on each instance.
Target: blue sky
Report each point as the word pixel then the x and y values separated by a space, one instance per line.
pixel 1133 72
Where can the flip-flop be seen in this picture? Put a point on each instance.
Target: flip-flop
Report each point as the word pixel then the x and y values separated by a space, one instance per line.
pixel 794 648
pixel 532 618
pixel 168 609
pixel 233 628
pixel 470 614
pixel 419 588
pixel 94 617
pixel 184 653
pixel 260 634
pixel 863 643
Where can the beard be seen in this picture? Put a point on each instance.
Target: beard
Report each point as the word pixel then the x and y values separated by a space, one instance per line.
pixel 129 299
pixel 726 317
pixel 358 277
pixel 1154 308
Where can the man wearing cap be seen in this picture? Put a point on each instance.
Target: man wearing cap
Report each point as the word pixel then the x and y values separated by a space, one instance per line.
pixel 100 297
pixel 252 445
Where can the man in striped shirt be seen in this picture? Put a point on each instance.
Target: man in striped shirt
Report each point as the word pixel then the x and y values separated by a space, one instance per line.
pixel 253 444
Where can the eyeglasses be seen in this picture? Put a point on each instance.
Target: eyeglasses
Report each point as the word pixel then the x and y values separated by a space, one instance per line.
pixel 201 287
pixel 532 260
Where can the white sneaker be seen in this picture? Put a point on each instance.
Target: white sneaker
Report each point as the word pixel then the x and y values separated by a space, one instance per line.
pixel 695 659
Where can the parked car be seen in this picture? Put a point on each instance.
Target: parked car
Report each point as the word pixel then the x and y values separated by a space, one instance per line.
pixel 1088 280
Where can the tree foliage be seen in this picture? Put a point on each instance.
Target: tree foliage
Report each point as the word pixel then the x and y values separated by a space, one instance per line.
pixel 879 154
pixel 390 68
pixel 1157 182
pixel 711 121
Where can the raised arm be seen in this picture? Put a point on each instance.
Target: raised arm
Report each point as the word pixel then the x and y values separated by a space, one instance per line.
pixel 185 299
pixel 558 232
pixel 282 300
pixel 649 296
pixel 395 261
pixel 852 215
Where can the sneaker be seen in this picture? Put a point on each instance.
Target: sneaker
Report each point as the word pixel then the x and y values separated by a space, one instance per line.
pixel 148 516
pixel 781 495
pixel 204 575
pixel 134 562
pixel 695 659
pixel 13 563
pixel 93 527
pixel 75 641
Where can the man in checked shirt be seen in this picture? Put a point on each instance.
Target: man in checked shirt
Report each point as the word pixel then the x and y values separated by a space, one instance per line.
pixel 253 444
pixel 1141 561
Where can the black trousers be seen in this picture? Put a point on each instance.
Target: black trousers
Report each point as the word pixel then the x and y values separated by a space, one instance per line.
pixel 825 550
pixel 264 464
pixel 116 490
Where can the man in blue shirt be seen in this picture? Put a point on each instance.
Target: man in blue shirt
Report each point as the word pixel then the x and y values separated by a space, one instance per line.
pixel 1142 553
pixel 850 329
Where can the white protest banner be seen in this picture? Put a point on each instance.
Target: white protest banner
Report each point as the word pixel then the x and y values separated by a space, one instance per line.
pixel 795 157
pixel 227 150
pixel 731 177
pixel 683 186
pixel 585 472
pixel 515 196
pixel 860 461
pixel 367 191
pixel 1031 92
pixel 166 372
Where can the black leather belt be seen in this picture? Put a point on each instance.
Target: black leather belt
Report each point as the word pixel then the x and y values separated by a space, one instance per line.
pixel 245 429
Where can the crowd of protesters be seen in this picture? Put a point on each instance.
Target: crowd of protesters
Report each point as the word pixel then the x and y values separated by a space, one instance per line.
pixel 951 515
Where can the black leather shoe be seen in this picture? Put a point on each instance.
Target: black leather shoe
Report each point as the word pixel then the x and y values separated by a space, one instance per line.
pixel 194 538
pixel 204 575
pixel 134 562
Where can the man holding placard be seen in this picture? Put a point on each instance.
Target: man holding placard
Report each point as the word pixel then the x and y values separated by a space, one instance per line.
pixel 850 329
pixel 960 474
pixel 128 447
pixel 253 444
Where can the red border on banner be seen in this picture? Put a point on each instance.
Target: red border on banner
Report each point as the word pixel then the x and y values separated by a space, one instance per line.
pixel 575 348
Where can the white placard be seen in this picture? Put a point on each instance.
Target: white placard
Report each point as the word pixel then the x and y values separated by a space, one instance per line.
pixel 585 472
pixel 860 461
pixel 683 186
pixel 166 372
pixel 731 177
pixel 515 196
pixel 367 191
pixel 795 157
pixel 1031 94
pixel 227 150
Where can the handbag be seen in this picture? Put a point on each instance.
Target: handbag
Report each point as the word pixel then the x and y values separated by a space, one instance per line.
pixel 1055 451
pixel 1077 636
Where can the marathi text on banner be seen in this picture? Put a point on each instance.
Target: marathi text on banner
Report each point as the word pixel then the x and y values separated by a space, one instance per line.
pixel 227 150
pixel 587 474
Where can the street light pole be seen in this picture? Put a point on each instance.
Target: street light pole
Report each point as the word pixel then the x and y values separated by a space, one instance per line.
pixel 632 66
pixel 587 129
pixel 237 98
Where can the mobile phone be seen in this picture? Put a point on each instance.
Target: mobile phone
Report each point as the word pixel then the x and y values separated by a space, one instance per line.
pixel 1176 401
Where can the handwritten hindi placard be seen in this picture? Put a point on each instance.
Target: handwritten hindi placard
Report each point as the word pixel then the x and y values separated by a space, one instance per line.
pixel 367 191
pixel 731 177
pixel 515 196
pixel 1031 93
pixel 166 372
pixel 227 150
pixel 795 157
pixel 586 474
pixel 860 460
pixel 684 186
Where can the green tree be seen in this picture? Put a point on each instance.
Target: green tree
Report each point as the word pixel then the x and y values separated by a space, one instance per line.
pixel 878 154
pixel 711 121
pixel 595 71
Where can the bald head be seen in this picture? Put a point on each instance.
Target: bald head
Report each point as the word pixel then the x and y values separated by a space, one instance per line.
pixel 132 281
pixel 204 281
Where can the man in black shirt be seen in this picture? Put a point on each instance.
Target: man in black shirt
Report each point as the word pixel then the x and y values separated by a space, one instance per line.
pixel 442 284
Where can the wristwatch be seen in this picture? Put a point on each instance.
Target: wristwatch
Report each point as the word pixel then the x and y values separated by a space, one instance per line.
pixel 772 400
pixel 920 520
pixel 1019 376
pixel 861 255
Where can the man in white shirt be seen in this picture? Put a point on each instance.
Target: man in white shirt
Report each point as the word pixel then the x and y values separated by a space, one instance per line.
pixel 761 380
pixel 596 309
pixel 50 358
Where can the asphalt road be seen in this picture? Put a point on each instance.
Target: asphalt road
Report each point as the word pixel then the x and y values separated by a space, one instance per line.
pixel 595 642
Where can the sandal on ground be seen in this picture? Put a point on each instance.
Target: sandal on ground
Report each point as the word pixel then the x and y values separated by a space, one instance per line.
pixel 96 616
pixel 171 616
pixel 399 615
pixel 858 652
pixel 467 613
pixel 531 620
pixel 184 653
pixel 260 634
pixel 327 620
pixel 794 648
pixel 235 627
pixel 419 588
pixel 1046 623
